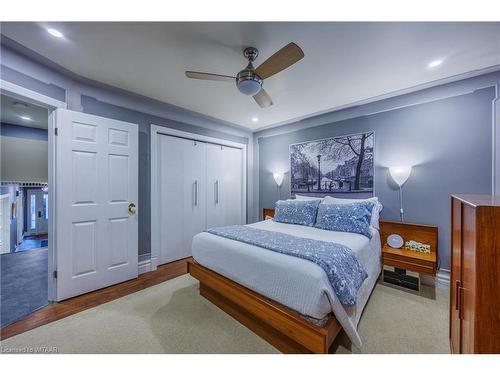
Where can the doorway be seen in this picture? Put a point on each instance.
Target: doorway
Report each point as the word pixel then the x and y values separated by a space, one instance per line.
pixel 95 173
pixel 38 211
pixel 24 234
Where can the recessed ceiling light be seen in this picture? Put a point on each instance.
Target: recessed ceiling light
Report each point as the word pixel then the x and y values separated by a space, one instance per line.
pixel 21 105
pixel 55 33
pixel 25 118
pixel 255 119
pixel 435 63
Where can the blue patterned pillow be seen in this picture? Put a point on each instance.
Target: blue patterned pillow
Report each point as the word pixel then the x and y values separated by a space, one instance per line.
pixel 296 212
pixel 353 218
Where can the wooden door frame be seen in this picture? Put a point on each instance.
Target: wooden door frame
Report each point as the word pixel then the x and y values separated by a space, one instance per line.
pixel 18 92
pixel 156 131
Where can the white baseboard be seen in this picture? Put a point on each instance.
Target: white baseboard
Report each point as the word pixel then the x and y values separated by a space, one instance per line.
pixel 145 266
pixel 443 277
pixel 154 263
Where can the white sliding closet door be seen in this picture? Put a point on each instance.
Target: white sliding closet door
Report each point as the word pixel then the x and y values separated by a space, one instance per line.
pixel 182 186
pixel 224 186
pixel 215 186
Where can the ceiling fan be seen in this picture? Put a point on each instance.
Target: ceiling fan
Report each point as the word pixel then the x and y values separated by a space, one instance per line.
pixel 249 80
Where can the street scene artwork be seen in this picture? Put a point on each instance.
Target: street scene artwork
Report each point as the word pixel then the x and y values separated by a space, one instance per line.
pixel 340 166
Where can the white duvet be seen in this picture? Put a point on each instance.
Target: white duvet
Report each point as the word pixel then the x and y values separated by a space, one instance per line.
pixel 294 282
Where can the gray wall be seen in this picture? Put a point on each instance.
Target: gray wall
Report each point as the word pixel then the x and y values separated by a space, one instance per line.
pixel 26 68
pixel 23 154
pixel 396 130
pixel 449 142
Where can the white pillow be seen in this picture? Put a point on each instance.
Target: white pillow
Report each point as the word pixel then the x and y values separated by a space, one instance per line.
pixel 307 198
pixel 375 211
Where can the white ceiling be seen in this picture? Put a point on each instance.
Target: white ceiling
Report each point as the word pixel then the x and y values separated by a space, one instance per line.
pixel 344 62
pixel 12 110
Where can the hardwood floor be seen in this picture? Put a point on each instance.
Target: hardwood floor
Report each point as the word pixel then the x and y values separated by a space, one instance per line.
pixel 59 310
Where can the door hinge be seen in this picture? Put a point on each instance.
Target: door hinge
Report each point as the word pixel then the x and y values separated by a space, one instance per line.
pixel 55 131
pixel 55 274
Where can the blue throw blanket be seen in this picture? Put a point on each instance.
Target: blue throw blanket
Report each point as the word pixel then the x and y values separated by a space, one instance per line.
pixel 343 269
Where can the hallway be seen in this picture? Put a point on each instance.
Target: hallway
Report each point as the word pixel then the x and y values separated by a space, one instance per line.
pixel 23 284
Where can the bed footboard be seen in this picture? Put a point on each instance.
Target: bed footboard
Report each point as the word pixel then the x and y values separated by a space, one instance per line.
pixel 281 327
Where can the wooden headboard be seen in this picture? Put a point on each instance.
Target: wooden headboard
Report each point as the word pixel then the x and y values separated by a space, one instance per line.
pixel 427 234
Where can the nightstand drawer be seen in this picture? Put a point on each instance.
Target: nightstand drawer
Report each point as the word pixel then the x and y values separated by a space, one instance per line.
pixel 413 264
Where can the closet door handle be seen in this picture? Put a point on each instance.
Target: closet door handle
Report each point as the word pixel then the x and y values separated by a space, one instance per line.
pixel 457 294
pixel 196 192
pixel 217 191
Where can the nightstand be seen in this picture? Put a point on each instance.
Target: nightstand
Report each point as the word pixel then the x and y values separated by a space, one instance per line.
pixel 401 266
pixel 267 212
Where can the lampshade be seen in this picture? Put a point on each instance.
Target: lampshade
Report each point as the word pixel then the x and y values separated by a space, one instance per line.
pixel 400 174
pixel 278 178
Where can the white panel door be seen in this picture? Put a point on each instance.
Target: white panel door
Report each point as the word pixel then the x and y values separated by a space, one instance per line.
pixel 38 214
pixel 182 185
pixel 5 223
pixel 224 186
pixel 96 184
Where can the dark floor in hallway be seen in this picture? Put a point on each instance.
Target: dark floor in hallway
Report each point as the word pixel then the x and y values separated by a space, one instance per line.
pixel 33 242
pixel 23 284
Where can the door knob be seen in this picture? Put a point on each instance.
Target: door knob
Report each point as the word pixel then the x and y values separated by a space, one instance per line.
pixel 131 209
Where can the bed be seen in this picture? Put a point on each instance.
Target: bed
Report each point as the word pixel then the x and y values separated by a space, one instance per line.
pixel 286 300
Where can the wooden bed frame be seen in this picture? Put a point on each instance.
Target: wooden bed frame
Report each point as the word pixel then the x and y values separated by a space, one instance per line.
pixel 281 327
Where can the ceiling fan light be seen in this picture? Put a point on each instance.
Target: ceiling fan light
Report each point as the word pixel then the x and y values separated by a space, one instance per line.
pixel 249 87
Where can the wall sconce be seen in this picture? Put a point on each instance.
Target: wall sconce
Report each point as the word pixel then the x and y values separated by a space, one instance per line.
pixel 400 174
pixel 278 178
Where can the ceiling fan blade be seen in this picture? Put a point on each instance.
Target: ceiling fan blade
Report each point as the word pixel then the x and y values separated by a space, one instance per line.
pixel 285 57
pixel 209 76
pixel 263 99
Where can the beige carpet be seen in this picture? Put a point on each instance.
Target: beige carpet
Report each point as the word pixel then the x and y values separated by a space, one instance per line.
pixel 172 318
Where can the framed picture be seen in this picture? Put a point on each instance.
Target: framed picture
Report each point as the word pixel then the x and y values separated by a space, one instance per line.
pixel 340 166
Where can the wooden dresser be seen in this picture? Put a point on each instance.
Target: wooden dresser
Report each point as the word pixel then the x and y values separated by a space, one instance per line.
pixel 475 274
